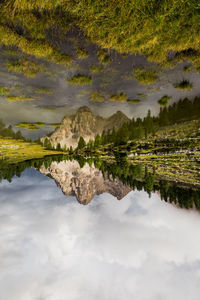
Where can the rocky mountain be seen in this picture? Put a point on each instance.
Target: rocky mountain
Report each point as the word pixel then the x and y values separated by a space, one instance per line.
pixel 84 123
pixel 84 183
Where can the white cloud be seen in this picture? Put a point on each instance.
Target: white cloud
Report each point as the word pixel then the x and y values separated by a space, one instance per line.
pixel 53 248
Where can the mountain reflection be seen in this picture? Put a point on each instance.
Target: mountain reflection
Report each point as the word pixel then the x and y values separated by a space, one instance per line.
pixel 85 182
pixel 86 177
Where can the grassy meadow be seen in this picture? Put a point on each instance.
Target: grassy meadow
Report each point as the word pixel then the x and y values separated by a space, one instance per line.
pixel 148 27
pixel 15 151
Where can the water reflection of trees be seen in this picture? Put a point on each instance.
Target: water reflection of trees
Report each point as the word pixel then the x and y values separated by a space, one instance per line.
pixel 135 176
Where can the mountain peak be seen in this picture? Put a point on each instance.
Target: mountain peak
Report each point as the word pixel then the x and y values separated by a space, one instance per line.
pixel 86 124
pixel 119 113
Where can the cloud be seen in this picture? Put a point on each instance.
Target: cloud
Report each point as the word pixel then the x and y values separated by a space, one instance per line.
pixel 53 248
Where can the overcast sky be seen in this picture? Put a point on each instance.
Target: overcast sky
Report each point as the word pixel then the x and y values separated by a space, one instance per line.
pixel 53 248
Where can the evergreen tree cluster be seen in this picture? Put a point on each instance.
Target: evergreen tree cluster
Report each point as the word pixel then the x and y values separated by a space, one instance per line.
pixel 8 171
pixel 9 132
pixel 183 110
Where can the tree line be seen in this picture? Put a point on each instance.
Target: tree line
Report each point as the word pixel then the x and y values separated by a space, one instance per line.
pixel 9 132
pixel 138 128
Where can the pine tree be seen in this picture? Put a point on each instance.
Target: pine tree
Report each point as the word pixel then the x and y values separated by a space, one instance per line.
pixel 97 141
pixel 81 143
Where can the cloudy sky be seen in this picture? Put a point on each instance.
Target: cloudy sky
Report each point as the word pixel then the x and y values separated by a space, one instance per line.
pixel 53 248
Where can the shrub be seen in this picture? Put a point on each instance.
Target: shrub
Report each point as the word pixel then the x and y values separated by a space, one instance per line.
pixel 4 90
pixel 26 67
pixel 97 96
pixel 135 101
pixel 145 76
pixel 82 53
pixel 96 69
pixel 103 57
pixel 121 97
pixel 80 79
pixel 184 85
pixel 164 100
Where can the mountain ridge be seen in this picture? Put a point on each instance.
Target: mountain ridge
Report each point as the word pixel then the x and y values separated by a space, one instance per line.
pixel 83 123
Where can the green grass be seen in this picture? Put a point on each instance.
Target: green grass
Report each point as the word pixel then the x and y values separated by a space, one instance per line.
pixel 149 27
pixel 96 69
pixel 26 125
pixel 80 79
pixel 145 76
pixel 164 100
pixel 135 101
pixel 19 98
pixel 121 97
pixel 103 57
pixel 188 68
pixel 82 53
pixel 183 85
pixel 4 90
pixel 30 126
pixel 96 96
pixel 14 151
pixel 27 67
pixel 11 51
pixel 32 38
